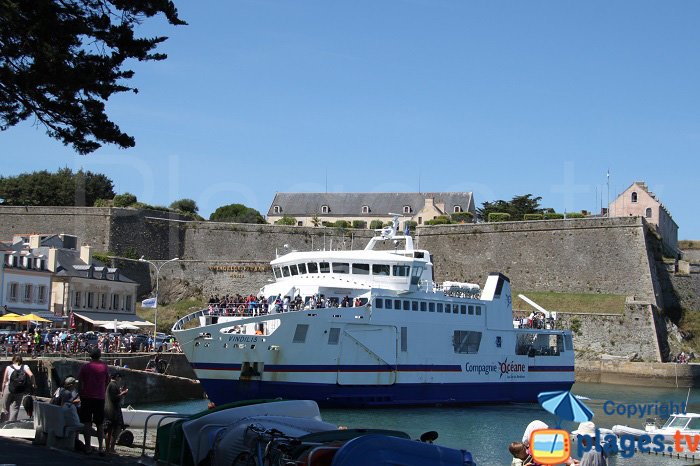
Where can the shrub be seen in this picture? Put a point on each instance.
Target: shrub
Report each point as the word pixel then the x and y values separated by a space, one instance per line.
pixel 342 224
pixel 328 224
pixel 575 215
pixel 359 224
pixel 576 326
pixel 102 203
pixel 462 217
pixel 124 200
pixel 553 216
pixel 376 224
pixel 286 220
pixel 441 220
pixel 498 217
pixel 410 224
pixel 533 217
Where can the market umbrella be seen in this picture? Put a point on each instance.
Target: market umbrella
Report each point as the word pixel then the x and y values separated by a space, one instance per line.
pixel 11 317
pixel 565 405
pixel 127 326
pixel 31 318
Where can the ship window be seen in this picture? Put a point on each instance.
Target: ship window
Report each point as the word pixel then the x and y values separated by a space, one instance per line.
pixel 397 304
pixel 539 344
pixel 324 267
pixel 498 342
pixel 300 333
pixel 360 269
pixel 294 269
pixel 401 270
pixel 448 307
pixel 463 309
pixel 407 305
pixel 466 342
pixel 634 196
pixel 471 310
pixel 414 305
pixel 439 307
pixel 302 268
pixel 333 336
pixel 416 274
pixel 423 306
pixel 478 310
pixel 404 339
pixel 569 343
pixel 380 269
pixel 312 266
pixel 341 267
pixel 387 303
pixel 431 307
pixel 285 271
pixel 278 272
pixel 379 303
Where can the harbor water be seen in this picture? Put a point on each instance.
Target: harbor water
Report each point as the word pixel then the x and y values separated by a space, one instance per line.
pixel 487 430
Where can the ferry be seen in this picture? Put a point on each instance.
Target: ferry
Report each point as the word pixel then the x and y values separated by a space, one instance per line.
pixel 374 329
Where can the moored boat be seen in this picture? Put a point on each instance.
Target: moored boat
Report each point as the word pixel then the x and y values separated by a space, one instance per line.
pixel 684 423
pixel 371 328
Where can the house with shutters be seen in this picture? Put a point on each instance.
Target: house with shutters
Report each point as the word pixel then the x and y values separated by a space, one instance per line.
pixel 638 201
pixel 310 209
pixel 25 280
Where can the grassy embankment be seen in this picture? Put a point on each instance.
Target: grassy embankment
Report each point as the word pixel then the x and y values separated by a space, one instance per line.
pixel 168 314
pixel 572 302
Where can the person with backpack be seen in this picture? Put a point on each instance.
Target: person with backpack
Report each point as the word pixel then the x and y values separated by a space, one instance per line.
pixel 17 382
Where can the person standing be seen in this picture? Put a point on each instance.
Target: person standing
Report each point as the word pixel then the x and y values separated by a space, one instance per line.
pixel 17 381
pixel 93 377
pixel 592 457
pixel 114 420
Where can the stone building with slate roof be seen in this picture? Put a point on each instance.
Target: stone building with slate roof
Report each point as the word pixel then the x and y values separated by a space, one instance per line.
pixel 638 201
pixel 311 208
pixel 95 293
pixel 25 279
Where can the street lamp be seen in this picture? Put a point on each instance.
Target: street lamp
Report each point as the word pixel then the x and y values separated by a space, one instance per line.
pixel 157 267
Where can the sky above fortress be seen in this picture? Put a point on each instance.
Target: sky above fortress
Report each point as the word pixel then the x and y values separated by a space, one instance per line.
pixel 500 98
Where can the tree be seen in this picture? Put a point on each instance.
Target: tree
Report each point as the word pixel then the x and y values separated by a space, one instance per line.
pixel 61 61
pixel 315 221
pixel 237 213
pixel 516 207
pixel 185 205
pixel 63 188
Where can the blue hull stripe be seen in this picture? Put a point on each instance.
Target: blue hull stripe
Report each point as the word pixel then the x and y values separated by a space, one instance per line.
pixel 334 395
pixel 363 368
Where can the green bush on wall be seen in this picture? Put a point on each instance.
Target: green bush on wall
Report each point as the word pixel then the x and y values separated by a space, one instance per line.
pixel 359 224
pixel 286 221
pixel 553 216
pixel 376 224
pixel 462 217
pixel 533 217
pixel 441 220
pixel 498 217
pixel 575 215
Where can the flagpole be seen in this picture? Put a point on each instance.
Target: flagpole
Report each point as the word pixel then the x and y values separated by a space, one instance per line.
pixel 157 268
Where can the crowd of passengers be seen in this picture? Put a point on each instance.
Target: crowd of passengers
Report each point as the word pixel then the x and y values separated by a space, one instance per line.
pixel 37 341
pixel 251 304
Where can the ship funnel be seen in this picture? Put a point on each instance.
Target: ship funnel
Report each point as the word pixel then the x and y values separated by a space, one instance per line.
pixel 497 285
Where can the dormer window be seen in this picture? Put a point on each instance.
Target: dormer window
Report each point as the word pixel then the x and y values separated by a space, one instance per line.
pixel 324 209
pixel 634 196
pixel 407 209
pixel 457 209
pixel 365 209
pixel 277 209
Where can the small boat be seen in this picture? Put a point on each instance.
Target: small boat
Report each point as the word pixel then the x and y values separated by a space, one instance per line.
pixel 137 418
pixel 685 423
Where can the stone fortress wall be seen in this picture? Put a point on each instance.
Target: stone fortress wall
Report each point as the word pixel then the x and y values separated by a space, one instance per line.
pixel 615 255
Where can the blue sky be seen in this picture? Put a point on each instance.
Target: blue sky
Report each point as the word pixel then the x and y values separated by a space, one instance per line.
pixel 501 98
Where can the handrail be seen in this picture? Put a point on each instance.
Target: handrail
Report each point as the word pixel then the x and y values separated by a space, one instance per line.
pixel 165 416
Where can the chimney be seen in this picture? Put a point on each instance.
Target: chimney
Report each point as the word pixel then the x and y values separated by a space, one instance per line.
pixel 86 254
pixel 52 262
pixel 34 241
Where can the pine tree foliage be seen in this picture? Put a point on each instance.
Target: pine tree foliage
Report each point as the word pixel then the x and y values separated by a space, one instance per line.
pixel 63 188
pixel 61 61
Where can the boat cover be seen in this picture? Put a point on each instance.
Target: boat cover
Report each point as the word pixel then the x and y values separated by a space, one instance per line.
pixel 200 433
pixel 380 450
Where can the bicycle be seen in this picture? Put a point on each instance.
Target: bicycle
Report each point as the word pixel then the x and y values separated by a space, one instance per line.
pixel 276 450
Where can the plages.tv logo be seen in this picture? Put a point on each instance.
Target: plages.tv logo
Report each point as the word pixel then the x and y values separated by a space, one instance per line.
pixel 550 446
